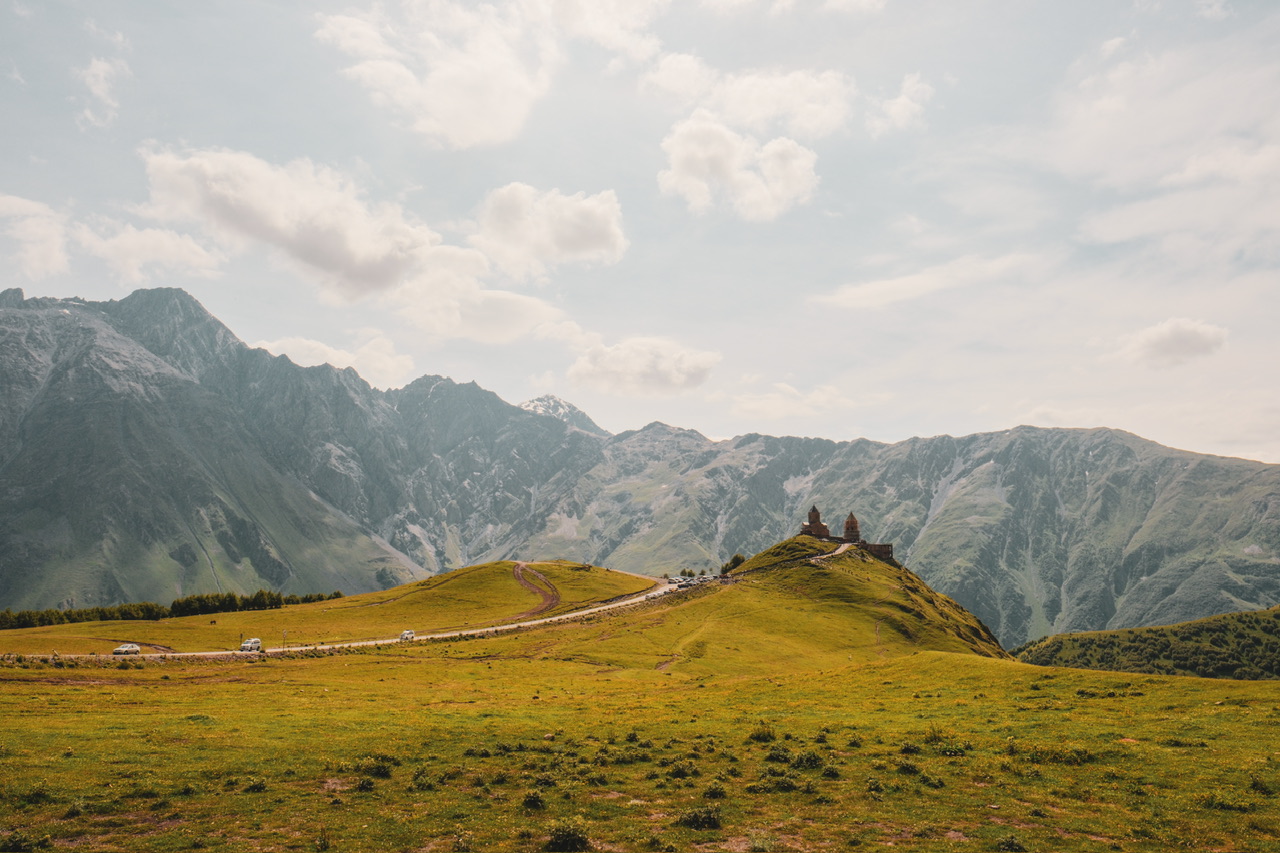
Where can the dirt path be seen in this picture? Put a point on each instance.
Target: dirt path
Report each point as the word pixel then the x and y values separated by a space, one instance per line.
pixel 817 561
pixel 550 599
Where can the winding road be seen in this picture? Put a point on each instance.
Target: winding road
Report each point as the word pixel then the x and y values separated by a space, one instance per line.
pixel 550 600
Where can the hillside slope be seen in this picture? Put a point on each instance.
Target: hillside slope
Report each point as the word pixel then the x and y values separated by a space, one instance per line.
pixel 1232 645
pixel 794 606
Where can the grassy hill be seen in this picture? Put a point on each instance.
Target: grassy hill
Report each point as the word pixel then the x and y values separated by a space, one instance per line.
pixel 473 597
pixel 763 713
pixel 1233 645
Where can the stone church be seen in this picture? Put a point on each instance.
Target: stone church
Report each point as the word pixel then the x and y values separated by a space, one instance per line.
pixel 815 528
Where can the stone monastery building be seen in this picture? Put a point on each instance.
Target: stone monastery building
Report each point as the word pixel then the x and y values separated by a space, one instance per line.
pixel 815 528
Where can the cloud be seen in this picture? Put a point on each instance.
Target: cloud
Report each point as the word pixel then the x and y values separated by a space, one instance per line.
pixel 906 110
pixel 642 366
pixel 375 359
pixel 460 75
pixel 620 26
pixel 100 77
pixel 1176 341
pixel 808 104
pixel 41 233
pixel 525 231
pixel 1131 123
pixel 708 161
pixel 313 215
pixel 1214 10
pixel 785 401
pixel 960 272
pixel 130 249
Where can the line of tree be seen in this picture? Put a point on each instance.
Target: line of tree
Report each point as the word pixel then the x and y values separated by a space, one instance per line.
pixel 191 605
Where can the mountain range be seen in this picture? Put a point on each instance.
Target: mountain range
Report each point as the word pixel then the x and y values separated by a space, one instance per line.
pixel 147 453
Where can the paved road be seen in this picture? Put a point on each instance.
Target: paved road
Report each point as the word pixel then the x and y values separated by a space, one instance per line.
pixel 659 589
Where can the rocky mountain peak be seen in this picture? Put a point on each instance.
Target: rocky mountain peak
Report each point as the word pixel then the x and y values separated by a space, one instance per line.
pixel 553 406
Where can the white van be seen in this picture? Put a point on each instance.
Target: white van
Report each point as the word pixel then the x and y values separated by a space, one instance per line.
pixel 406 636
pixel 251 645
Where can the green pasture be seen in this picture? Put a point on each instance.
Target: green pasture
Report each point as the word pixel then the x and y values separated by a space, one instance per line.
pixel 761 715
pixel 473 597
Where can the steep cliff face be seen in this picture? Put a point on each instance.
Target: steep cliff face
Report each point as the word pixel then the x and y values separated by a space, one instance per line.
pixel 145 452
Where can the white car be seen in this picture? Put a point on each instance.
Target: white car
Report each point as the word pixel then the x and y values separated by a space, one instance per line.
pixel 127 649
pixel 251 645
pixel 406 636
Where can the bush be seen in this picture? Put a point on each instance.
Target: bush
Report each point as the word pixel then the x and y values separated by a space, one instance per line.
pixel 807 760
pixel 568 836
pixel 365 784
pixel 533 800
pixel 779 754
pixel 1010 844
pixel 715 791
pixel 255 786
pixel 763 733
pixel 705 817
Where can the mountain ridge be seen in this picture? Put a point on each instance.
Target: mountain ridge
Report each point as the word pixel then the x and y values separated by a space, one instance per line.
pixel 1035 530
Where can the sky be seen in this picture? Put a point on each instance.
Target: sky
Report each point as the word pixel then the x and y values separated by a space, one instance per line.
pixel 835 218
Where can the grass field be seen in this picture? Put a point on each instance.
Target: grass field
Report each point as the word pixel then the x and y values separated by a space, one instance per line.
pixel 749 716
pixel 473 597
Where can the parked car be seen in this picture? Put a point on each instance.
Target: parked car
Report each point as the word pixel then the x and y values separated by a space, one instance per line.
pixel 405 636
pixel 251 645
pixel 127 649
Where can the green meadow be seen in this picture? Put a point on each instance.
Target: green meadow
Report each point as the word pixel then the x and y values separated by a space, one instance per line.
pixel 801 705
pixel 474 597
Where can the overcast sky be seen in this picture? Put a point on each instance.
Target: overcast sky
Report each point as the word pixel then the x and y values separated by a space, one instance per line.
pixel 837 218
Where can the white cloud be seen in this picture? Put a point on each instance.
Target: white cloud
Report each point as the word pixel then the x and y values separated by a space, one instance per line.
pixel 130 249
pixel 375 358
pixel 462 75
pixel 100 77
pixel 906 110
pixel 642 366
pixel 1131 123
pixel 1176 341
pixel 965 271
pixel 708 161
pixel 808 104
pixel 1214 10
pixel 41 233
pixel 785 401
pixel 617 25
pixel 462 308
pixel 525 231
pixel 315 216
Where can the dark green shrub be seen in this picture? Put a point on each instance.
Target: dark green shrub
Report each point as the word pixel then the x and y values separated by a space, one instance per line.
pixel 1010 844
pixel 705 817
pixel 568 836
pixel 830 772
pixel 807 760
pixel 365 784
pixel 779 754
pixel 255 786
pixel 763 733
pixel 714 791
pixel 533 800
pixel 909 748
